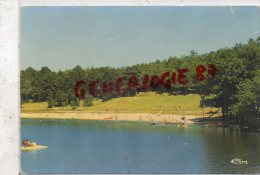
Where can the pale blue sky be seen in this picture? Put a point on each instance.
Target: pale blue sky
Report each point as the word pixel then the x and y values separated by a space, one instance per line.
pixel 62 37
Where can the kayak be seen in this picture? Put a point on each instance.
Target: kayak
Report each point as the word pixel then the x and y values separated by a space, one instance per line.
pixel 35 147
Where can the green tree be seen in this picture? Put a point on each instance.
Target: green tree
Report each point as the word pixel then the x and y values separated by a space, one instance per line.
pixel 248 100
pixel 27 77
pixel 26 90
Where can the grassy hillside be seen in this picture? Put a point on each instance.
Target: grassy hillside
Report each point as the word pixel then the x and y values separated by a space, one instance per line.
pixel 142 103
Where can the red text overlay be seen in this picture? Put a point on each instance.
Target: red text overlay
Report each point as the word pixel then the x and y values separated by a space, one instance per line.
pixel 167 80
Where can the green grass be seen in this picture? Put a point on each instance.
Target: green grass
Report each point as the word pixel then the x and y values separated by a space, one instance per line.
pixel 142 103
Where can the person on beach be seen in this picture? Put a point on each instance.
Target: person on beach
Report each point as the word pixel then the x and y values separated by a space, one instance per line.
pixel 27 143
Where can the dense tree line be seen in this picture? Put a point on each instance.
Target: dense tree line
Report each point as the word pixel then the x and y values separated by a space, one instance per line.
pixel 235 89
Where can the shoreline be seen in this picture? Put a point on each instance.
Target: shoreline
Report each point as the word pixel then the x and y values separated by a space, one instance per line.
pixel 147 117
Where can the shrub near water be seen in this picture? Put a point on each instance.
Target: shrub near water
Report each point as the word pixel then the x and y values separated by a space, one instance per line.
pixel 88 100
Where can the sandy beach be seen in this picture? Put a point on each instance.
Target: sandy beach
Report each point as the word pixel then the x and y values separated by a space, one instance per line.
pixel 170 118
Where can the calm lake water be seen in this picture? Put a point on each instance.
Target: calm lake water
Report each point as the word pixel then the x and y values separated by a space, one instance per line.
pixel 76 146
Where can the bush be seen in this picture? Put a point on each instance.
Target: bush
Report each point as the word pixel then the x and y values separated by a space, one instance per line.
pixel 50 103
pixel 61 99
pixel 64 103
pixel 88 100
pixel 74 104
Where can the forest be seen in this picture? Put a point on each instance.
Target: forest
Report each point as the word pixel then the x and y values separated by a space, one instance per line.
pixel 234 87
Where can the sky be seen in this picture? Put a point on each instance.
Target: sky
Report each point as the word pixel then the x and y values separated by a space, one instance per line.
pixel 63 37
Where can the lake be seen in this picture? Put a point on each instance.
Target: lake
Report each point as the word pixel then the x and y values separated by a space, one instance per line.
pixel 77 146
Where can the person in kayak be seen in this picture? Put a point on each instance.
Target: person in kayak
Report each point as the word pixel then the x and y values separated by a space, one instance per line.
pixel 26 143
